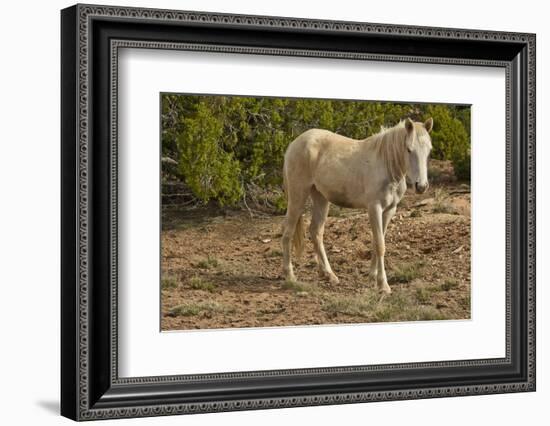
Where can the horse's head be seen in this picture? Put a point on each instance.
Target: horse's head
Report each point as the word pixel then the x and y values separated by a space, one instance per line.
pixel 419 145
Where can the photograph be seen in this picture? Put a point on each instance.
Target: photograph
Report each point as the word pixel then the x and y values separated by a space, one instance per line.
pixel 280 211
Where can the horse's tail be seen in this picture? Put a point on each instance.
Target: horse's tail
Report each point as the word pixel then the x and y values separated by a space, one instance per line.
pixel 298 240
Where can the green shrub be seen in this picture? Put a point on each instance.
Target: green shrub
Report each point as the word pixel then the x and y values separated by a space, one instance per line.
pixel 450 138
pixel 210 171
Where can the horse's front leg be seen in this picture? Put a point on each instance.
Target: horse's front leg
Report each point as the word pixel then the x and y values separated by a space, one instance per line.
pixel 377 225
pixel 373 273
pixel 386 218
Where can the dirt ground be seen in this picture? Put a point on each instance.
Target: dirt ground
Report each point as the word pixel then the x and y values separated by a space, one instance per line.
pixel 223 269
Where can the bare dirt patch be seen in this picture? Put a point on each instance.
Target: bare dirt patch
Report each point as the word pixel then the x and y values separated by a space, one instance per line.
pixel 223 269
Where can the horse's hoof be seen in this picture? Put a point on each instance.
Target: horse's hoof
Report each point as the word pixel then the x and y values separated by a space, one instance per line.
pixel 385 289
pixel 290 277
pixel 333 279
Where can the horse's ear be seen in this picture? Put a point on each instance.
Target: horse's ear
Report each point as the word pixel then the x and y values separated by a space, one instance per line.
pixel 409 125
pixel 429 124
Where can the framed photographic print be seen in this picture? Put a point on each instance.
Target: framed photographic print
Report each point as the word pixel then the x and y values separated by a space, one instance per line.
pixel 263 212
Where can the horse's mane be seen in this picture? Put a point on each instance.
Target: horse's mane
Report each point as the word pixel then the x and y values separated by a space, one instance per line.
pixel 390 145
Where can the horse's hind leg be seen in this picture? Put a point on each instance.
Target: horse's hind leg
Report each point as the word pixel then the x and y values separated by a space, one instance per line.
pixel 319 214
pixel 296 200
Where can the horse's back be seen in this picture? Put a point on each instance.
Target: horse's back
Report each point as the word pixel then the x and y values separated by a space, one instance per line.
pixel 314 143
pixel 321 137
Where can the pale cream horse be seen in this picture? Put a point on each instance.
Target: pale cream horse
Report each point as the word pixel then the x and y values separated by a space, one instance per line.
pixel 369 173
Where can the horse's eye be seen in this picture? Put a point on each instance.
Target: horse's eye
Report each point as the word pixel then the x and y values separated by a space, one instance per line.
pixel 409 150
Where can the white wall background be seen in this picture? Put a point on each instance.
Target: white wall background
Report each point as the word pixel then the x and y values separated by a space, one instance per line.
pixel 29 212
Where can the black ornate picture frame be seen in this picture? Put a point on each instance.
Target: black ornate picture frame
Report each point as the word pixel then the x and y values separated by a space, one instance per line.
pixel 90 385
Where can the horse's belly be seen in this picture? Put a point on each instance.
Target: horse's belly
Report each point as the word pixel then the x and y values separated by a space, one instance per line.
pixel 340 178
pixel 342 200
pixel 340 197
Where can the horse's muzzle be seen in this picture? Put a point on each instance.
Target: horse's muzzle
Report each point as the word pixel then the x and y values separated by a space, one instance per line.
pixel 420 189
